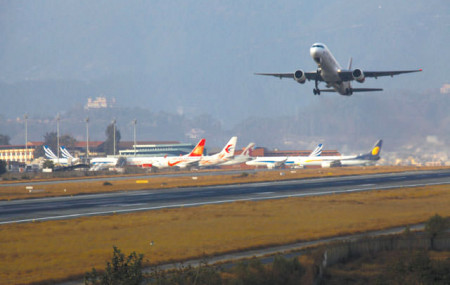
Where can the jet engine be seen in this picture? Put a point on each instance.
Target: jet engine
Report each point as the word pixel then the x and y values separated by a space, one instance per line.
pixel 334 163
pixel 299 76
pixel 358 75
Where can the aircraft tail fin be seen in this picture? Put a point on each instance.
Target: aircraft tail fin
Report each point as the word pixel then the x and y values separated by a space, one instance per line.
pixel 317 151
pixel 65 153
pixel 350 64
pixel 248 150
pixel 229 148
pixel 374 153
pixel 49 153
pixel 198 149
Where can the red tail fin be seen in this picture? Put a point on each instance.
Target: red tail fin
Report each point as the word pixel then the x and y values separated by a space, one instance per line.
pixel 198 149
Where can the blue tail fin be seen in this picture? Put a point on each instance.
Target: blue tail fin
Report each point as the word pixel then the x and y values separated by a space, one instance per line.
pixel 49 153
pixel 374 153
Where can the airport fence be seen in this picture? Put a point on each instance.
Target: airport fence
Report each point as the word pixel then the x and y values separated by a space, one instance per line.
pixel 344 251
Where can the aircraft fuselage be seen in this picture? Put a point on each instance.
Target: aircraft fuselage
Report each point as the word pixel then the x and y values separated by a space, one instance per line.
pixel 328 68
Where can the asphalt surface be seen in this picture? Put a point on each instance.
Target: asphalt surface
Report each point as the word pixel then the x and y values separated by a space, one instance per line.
pixel 123 202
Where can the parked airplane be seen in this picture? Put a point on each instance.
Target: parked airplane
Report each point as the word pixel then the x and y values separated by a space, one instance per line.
pixel 268 161
pixel 65 153
pixel 295 160
pixel 366 159
pixel 56 160
pixel 226 154
pixel 100 163
pixel 277 161
pixel 184 161
pixel 243 157
pixel 336 78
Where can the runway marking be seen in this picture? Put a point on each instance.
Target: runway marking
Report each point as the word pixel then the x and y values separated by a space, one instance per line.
pixel 367 185
pixel 398 178
pixel 214 203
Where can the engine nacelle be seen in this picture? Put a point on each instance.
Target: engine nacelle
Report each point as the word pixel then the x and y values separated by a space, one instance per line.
pixel 334 163
pixel 358 75
pixel 299 76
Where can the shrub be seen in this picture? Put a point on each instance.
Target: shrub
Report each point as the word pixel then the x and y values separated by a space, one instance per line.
pixel 2 167
pixel 436 225
pixel 120 270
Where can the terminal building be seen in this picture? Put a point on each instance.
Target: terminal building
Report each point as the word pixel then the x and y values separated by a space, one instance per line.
pixel 171 148
pixel 19 153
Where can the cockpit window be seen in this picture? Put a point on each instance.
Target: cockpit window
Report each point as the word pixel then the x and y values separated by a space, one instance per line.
pixel 318 46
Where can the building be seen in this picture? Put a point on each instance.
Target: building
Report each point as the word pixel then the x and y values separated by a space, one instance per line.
pixel 265 152
pixel 445 89
pixel 170 148
pixel 99 103
pixel 19 153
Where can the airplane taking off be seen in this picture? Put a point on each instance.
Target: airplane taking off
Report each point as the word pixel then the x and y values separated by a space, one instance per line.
pixel 225 155
pixel 330 72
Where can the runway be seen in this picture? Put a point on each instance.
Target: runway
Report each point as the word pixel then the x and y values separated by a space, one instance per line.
pixel 43 209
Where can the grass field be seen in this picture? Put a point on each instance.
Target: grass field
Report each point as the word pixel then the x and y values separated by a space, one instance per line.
pixel 67 189
pixel 40 251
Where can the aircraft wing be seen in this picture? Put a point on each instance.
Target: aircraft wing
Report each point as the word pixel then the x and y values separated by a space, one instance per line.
pixel 308 75
pixel 346 75
pixel 355 90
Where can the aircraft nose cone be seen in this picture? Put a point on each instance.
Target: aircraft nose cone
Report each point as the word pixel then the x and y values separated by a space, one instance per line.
pixel 316 54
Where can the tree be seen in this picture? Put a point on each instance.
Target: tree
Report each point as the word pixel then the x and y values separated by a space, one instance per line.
pixel 4 139
pixel 120 270
pixel 2 167
pixel 434 226
pixel 109 142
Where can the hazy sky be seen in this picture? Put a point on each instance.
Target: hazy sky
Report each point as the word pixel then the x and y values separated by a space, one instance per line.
pixel 200 56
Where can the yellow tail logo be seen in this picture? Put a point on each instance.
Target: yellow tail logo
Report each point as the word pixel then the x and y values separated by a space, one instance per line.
pixel 375 150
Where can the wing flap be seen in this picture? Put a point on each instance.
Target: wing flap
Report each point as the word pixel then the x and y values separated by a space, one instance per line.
pixel 308 75
pixel 388 73
pixel 366 89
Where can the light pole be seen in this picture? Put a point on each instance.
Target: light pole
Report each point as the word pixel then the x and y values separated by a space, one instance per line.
pixel 87 139
pixel 57 136
pixel 26 137
pixel 114 136
pixel 134 122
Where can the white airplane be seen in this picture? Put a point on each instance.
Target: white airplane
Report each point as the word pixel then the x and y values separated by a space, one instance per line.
pixel 277 161
pixel 60 161
pixel 366 159
pixel 184 161
pixel 100 163
pixel 336 78
pixel 226 154
pixel 241 158
pixel 268 161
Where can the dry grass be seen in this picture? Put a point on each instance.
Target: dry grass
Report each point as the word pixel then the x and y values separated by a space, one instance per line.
pixel 57 249
pixel 65 189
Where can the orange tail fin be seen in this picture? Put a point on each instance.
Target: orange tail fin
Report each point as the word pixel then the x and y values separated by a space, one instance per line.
pixel 198 149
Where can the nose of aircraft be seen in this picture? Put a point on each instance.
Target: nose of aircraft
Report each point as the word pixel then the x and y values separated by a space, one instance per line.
pixel 316 51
